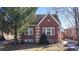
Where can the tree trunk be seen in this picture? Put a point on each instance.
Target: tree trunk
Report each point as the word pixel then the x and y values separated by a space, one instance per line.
pixel 75 11
pixel 2 25
pixel 2 34
pixel 15 34
pixel 77 22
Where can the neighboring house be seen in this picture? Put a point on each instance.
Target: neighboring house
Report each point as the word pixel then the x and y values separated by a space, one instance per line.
pixel 44 23
pixel 62 36
pixel 71 33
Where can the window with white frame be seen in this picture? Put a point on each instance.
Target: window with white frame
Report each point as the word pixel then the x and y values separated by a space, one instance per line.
pixel 49 30
pixel 30 31
pixel 28 40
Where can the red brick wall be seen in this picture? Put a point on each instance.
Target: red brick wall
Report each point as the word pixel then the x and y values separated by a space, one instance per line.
pixel 62 36
pixel 51 23
pixel 45 23
pixel 71 32
pixel 25 36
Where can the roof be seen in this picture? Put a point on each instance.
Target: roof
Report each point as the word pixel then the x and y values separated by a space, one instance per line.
pixel 39 17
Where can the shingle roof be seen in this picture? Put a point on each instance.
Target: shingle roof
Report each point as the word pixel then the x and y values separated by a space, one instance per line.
pixel 40 17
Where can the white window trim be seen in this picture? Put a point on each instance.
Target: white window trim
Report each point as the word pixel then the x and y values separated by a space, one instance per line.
pixel 28 40
pixel 53 28
pixel 52 18
pixel 51 33
pixel 28 33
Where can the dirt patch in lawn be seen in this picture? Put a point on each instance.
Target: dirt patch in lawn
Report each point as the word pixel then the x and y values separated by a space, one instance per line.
pixel 51 47
pixel 34 47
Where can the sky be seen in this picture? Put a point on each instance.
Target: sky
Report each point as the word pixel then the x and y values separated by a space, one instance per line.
pixel 66 21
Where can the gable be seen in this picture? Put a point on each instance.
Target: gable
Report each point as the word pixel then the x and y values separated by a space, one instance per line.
pixel 37 19
pixel 52 17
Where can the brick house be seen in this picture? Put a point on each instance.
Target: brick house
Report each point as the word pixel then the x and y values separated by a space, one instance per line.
pixel 70 33
pixel 44 23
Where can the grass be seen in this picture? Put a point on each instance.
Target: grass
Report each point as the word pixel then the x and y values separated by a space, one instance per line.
pixel 34 47
pixel 52 47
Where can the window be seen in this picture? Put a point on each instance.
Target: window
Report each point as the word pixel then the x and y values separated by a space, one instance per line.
pixel 49 30
pixel 28 40
pixel 51 40
pixel 30 31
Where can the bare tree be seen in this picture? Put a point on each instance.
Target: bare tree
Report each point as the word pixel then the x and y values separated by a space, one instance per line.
pixel 76 12
pixel 68 17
